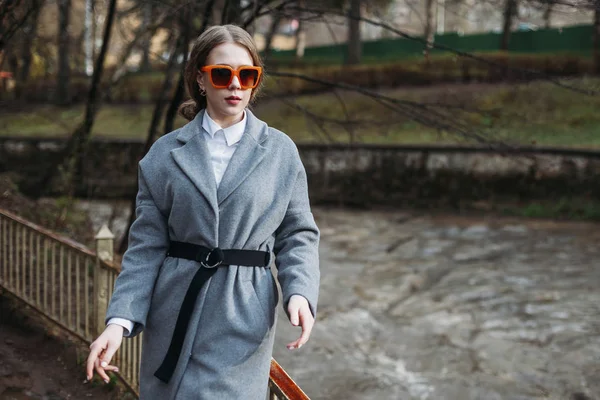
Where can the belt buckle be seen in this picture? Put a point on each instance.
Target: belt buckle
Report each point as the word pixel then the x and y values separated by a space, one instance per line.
pixel 214 252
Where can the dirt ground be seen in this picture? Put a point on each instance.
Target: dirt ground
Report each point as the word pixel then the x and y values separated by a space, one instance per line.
pixel 34 365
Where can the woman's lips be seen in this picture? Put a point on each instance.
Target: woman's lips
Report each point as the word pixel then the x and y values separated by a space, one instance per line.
pixel 233 100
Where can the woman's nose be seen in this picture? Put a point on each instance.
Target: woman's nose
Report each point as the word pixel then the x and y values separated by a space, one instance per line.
pixel 235 83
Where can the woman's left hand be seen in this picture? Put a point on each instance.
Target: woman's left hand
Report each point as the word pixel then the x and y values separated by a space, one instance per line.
pixel 299 313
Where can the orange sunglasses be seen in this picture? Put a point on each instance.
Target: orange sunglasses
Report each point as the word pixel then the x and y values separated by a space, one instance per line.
pixel 222 75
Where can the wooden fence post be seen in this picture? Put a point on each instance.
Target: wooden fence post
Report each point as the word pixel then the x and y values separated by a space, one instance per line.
pixel 104 252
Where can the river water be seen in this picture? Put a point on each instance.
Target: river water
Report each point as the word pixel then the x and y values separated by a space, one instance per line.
pixel 444 307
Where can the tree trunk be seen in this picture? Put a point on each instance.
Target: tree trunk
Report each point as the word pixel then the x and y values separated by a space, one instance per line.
pixel 251 10
pixel 91 107
pixel 146 41
pixel 64 70
pixel 218 12
pixel 27 54
pixel 95 31
pixel 177 98
pixel 354 42
pixel 300 40
pixel 276 20
pixel 429 33
pixel 510 11
pixel 300 34
pixel 548 14
pixel 232 12
pixel 597 37
pixel 89 39
pixel 30 32
pixel 81 136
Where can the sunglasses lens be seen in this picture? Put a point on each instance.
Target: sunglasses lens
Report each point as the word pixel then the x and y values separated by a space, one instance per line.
pixel 220 76
pixel 248 77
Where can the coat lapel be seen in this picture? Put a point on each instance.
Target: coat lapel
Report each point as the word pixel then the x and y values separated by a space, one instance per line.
pixel 194 160
pixel 247 156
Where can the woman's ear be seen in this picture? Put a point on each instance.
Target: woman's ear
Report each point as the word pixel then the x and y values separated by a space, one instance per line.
pixel 200 80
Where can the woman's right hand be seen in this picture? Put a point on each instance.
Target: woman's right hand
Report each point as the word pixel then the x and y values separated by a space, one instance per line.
pixel 102 351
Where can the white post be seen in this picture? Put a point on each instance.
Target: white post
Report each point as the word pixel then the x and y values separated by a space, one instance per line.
pixel 104 252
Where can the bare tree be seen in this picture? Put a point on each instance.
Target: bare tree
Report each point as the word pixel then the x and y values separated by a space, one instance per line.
pixel 64 69
pixel 354 39
pixel 510 12
pixel 597 37
pixel 77 144
pixel 274 26
pixel 300 46
pixel 429 33
pixel 549 7
pixel 146 39
pixel 88 37
pixel 232 12
pixel 29 30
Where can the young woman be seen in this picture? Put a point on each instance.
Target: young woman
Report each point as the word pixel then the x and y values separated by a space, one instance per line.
pixel 217 199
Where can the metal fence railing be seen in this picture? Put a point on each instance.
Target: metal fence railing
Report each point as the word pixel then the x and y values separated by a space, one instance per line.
pixel 71 285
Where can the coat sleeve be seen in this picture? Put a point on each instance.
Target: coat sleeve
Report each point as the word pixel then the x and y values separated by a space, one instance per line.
pixel 296 247
pixel 148 245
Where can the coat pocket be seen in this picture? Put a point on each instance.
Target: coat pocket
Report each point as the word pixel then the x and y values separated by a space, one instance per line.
pixel 265 295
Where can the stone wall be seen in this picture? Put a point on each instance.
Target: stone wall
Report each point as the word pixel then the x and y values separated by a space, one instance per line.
pixel 430 175
pixel 364 175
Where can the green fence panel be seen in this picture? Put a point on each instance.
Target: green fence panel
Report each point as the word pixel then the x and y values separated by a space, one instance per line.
pixel 570 39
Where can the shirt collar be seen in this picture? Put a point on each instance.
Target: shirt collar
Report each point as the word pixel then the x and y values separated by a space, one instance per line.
pixel 233 133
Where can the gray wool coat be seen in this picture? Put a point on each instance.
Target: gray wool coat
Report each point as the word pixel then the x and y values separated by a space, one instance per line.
pixel 261 204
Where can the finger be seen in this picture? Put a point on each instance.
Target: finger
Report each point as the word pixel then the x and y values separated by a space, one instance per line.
pixel 105 365
pixel 101 371
pixel 296 344
pixel 293 345
pixel 112 368
pixel 307 321
pixel 95 350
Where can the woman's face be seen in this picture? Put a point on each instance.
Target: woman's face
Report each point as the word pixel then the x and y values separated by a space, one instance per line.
pixel 226 106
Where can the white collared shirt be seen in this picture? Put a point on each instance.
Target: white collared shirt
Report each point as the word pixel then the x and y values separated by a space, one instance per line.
pixel 221 145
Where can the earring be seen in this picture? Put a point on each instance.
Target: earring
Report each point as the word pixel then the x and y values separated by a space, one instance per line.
pixel 202 92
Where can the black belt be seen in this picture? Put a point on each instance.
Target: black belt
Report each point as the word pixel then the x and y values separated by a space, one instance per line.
pixel 209 259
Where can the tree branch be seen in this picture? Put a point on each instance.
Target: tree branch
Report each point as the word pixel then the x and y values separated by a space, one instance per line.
pixel 419 112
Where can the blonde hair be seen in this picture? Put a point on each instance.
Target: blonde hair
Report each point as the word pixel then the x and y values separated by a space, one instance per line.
pixel 208 40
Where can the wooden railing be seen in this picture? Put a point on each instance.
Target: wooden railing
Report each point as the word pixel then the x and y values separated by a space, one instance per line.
pixel 71 285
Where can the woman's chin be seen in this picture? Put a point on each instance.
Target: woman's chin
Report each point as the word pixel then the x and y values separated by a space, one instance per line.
pixel 226 113
pixel 232 110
